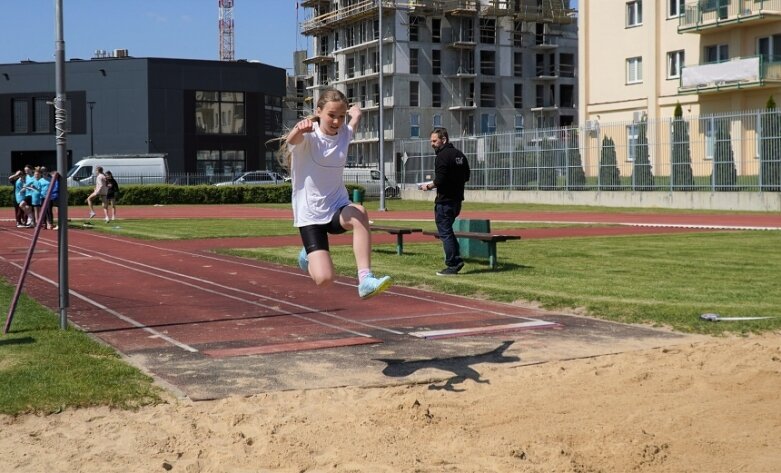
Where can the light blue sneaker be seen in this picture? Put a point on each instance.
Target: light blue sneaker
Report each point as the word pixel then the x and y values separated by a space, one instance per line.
pixel 303 260
pixel 372 286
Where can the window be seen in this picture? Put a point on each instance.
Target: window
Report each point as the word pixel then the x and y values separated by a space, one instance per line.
pixel 518 32
pixel 488 122
pixel 519 122
pixel 216 162
pixel 567 65
pixel 518 96
pixel 436 120
pixel 414 125
pixel 488 63
pixel 350 66
pixel 436 62
pixel 414 30
pixel 539 90
pixel 41 116
pixel 634 70
pixel 674 64
pixel 716 53
pixel 21 114
pixel 436 94
pixel 632 134
pixel 567 96
pixel 376 94
pixel 675 8
pixel 414 94
pixel 487 31
pixel 436 30
pixel 219 113
pixel 634 13
pixel 769 48
pixel 518 64
pixel 413 60
pixel 487 94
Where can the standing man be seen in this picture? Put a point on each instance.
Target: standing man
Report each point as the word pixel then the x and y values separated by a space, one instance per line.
pixel 451 172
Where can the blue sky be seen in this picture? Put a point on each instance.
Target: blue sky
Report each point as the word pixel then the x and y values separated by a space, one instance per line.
pixel 264 30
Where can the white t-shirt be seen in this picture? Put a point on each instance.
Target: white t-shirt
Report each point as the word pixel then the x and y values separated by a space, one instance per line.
pixel 317 172
pixel 100 184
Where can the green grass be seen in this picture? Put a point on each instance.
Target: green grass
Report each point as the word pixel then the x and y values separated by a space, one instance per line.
pixel 44 369
pixel 665 280
pixel 187 229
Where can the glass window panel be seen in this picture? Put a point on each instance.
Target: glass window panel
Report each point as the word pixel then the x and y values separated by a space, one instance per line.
pixel 207 117
pixel 42 123
pixel 20 116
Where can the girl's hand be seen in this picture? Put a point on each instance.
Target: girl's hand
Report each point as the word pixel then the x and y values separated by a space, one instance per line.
pixel 355 111
pixel 305 126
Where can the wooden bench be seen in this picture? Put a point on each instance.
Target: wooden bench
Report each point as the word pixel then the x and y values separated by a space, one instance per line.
pixel 490 238
pixel 399 232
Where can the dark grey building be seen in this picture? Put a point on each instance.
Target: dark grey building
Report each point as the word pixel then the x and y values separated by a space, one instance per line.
pixel 208 116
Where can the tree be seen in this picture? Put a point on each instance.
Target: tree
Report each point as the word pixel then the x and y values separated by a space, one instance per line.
pixel 547 163
pixel 681 173
pixel 770 170
pixel 725 175
pixel 609 175
pixel 576 177
pixel 642 177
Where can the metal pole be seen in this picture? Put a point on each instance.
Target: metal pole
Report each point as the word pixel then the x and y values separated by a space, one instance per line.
pixel 60 117
pixel 382 114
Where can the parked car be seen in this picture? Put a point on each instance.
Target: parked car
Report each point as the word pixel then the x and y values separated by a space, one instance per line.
pixel 255 178
pixel 370 179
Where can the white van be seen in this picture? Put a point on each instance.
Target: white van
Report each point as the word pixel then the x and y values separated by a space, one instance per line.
pixel 370 179
pixel 126 169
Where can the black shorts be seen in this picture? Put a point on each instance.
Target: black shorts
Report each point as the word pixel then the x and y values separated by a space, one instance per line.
pixel 315 237
pixel 28 199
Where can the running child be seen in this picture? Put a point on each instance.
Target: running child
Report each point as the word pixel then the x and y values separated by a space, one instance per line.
pixel 315 152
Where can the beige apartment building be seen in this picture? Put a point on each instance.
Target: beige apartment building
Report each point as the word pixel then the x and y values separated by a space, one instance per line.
pixel 638 59
pixel 642 57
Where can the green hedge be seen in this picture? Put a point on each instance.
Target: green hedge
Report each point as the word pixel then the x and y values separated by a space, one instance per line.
pixel 172 194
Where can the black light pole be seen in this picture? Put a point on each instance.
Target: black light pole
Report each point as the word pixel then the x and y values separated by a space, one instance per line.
pixel 91 134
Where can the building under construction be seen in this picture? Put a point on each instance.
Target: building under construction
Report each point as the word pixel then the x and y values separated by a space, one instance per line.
pixel 472 66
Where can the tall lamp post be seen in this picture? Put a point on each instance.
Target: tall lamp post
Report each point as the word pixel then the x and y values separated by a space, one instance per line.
pixel 91 134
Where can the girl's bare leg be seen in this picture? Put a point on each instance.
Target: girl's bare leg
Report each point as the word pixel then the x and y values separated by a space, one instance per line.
pixel 355 218
pixel 321 267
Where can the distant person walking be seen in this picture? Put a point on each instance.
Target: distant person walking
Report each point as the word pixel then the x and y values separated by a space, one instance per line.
pixel 315 152
pixel 451 173
pixel 100 191
pixel 112 194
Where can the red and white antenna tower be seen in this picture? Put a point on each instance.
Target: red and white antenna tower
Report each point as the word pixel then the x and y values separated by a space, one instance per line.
pixel 227 52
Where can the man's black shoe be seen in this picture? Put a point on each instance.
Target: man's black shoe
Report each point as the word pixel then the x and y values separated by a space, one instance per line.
pixel 451 270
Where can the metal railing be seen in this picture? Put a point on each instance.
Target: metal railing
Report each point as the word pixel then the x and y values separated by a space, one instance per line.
pixel 730 152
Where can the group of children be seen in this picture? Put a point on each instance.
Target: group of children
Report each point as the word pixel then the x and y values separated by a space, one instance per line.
pixel 31 185
pixel 30 188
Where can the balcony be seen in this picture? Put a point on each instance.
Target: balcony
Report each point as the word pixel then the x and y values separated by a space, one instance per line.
pixel 739 73
pixel 496 8
pixel 546 73
pixel 462 41
pixel 343 15
pixel 544 42
pixel 705 15
pixel 314 3
pixel 321 58
pixel 468 104
pixel 460 7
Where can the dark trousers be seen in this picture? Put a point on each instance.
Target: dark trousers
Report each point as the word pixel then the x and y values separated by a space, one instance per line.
pixel 19 214
pixel 445 214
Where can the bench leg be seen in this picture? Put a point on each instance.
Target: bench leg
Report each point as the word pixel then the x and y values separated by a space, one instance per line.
pixel 399 244
pixel 492 254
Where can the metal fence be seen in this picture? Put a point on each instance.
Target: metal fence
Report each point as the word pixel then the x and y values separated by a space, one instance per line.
pixel 726 152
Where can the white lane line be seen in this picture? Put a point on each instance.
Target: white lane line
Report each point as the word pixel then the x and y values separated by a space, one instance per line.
pixel 113 312
pixel 480 329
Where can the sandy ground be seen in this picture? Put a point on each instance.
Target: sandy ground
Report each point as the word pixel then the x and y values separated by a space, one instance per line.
pixel 712 406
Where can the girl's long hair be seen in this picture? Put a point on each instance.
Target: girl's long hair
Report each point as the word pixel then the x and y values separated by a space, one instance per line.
pixel 328 95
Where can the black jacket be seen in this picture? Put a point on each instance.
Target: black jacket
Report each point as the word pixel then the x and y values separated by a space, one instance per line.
pixel 451 172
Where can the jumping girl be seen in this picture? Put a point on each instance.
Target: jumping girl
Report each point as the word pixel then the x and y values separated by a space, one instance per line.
pixel 315 152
